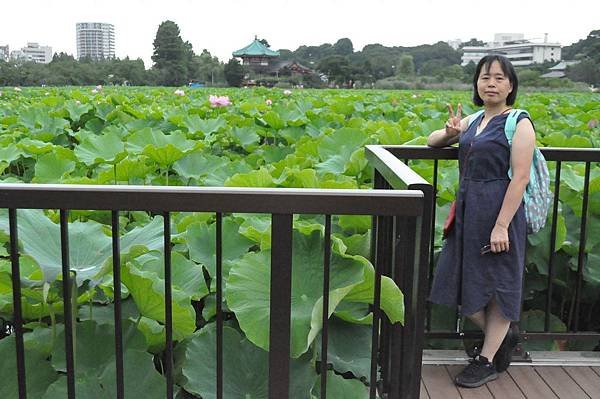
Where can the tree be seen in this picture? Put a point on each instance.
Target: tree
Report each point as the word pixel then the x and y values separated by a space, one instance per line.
pixel 431 68
pixel 207 68
pixel 406 65
pixel 469 71
pixel 583 49
pixel 234 73
pixel 171 55
pixel 586 71
pixel 265 42
pixel 473 42
pixel 343 47
pixel 528 77
pixel 336 67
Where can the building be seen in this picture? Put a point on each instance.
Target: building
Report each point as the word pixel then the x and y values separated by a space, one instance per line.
pixel 257 57
pixel 4 53
pixel 263 61
pixel 516 48
pixel 95 40
pixel 33 52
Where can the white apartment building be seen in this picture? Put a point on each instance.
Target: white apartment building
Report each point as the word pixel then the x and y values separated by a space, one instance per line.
pixel 516 48
pixel 33 52
pixel 95 40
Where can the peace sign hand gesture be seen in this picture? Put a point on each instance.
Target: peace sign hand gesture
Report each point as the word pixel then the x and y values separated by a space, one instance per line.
pixel 453 127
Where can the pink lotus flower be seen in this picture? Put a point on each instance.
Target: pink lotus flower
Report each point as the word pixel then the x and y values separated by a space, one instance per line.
pixel 593 123
pixel 287 92
pixel 269 102
pixel 99 87
pixel 17 89
pixel 179 92
pixel 219 101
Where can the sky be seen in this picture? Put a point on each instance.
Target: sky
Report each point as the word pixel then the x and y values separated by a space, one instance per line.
pixel 223 26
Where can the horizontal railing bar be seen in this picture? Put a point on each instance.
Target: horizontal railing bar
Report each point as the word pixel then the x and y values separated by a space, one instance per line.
pixel 585 336
pixel 550 153
pixel 398 174
pixel 212 199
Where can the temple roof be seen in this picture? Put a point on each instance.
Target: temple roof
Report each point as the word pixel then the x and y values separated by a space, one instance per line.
pixel 256 48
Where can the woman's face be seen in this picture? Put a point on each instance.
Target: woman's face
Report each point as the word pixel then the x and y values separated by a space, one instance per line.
pixel 493 85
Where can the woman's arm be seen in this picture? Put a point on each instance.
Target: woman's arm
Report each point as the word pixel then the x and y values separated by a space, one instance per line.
pixel 521 157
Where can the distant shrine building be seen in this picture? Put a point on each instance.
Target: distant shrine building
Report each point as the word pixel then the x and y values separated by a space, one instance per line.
pixel 261 60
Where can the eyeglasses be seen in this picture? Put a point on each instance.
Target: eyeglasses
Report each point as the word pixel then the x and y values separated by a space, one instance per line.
pixel 486 249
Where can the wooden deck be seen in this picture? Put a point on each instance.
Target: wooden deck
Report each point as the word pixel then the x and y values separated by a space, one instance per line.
pixel 566 380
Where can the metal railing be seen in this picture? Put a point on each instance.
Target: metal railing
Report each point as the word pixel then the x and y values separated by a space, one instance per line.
pixel 402 219
pixel 558 156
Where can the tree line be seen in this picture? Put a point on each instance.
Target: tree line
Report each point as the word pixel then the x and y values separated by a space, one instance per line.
pixel 175 64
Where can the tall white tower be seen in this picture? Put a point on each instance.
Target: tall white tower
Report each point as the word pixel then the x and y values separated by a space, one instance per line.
pixel 95 40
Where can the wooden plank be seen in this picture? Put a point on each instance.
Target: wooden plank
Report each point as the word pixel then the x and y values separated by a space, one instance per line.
pixel 505 387
pixel 530 383
pixel 423 394
pixel 587 379
pixel 561 383
pixel 438 383
pixel 596 370
pixel 481 392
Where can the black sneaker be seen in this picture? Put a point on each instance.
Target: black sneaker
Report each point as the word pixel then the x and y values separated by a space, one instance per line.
pixel 504 355
pixel 478 372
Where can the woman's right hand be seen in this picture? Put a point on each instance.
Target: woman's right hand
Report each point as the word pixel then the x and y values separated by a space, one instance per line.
pixel 453 127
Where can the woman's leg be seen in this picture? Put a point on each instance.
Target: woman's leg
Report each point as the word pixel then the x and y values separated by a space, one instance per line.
pixel 495 329
pixel 479 319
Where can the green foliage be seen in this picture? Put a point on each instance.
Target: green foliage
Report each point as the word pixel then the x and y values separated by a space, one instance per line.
pixel 585 48
pixel 406 66
pixel 586 71
pixel 245 367
pixel 234 73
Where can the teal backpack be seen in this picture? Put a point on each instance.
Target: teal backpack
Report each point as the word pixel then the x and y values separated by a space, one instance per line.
pixel 537 196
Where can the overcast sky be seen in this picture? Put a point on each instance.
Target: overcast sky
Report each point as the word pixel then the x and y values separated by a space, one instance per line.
pixel 223 26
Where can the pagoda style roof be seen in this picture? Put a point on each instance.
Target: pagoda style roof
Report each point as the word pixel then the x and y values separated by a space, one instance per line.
pixel 254 49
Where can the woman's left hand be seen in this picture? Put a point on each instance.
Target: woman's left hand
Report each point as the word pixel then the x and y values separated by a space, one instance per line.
pixel 499 239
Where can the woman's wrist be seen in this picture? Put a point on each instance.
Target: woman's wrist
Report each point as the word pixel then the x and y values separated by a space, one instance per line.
pixel 504 226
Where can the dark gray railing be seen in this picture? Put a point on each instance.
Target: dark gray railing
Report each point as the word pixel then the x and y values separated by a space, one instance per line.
pixel 402 347
pixel 402 220
pixel 557 155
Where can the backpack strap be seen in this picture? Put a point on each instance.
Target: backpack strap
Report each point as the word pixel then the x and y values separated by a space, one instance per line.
pixel 474 116
pixel 509 130
pixel 511 123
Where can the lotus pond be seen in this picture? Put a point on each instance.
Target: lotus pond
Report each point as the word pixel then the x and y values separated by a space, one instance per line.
pixel 259 138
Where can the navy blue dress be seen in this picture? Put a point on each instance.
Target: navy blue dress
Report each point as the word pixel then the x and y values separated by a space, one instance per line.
pixel 478 203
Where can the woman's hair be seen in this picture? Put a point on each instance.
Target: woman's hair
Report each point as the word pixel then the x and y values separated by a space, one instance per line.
pixel 508 70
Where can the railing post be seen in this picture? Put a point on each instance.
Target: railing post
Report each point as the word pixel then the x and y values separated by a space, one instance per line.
pixel 404 345
pixel 67 301
pixel 280 308
pixel 17 312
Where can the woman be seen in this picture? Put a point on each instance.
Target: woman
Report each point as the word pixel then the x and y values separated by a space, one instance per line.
pixel 481 265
